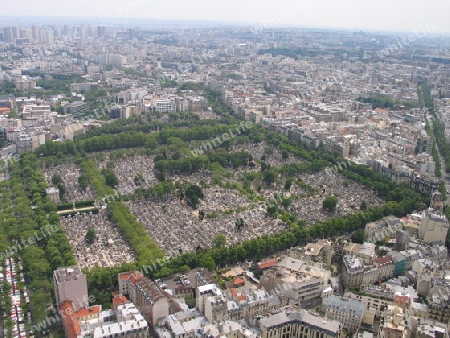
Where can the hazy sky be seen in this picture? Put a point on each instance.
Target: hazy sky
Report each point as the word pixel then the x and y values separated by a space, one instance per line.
pixel 388 15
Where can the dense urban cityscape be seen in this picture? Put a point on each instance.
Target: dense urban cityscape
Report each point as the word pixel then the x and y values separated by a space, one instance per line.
pixel 175 179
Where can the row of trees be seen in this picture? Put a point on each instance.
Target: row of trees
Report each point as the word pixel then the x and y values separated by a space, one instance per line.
pixel 441 140
pixel 438 135
pixel 134 233
pixel 384 102
pixel 196 163
pixel 131 139
pixel 146 125
pixel 99 181
pixel 434 151
pixel 184 165
pixel 28 214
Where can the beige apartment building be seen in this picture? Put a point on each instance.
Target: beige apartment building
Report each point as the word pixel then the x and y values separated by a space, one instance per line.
pixel 434 227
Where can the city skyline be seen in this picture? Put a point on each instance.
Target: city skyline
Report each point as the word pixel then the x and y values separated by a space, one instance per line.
pixel 398 16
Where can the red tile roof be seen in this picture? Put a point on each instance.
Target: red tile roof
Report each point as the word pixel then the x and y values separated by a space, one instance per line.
pixel 131 276
pixel 238 281
pixel 93 310
pixel 70 320
pixel 119 300
pixel 267 264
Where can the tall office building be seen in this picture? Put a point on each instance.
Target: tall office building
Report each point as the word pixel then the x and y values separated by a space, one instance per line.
pixel 35 29
pixel 8 34
pixel 101 31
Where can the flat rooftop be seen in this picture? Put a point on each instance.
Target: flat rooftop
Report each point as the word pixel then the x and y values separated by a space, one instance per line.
pixel 66 274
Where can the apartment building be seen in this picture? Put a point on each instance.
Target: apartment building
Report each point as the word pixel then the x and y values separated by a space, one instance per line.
pixel 25 84
pixel 71 325
pixel 24 143
pixel 203 292
pixel 356 273
pixel 245 304
pixel 348 312
pixel 165 106
pixel 439 307
pixel 314 252
pixel 434 227
pixel 291 269
pixel 297 286
pixel 374 306
pixel 380 230
pixel 365 251
pixel 298 325
pixel 431 329
pixel 71 285
pixel 150 300
pixel 130 324
pixel 385 267
pixel 127 284
pixel 394 324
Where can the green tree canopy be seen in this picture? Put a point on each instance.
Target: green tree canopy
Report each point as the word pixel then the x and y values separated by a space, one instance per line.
pixel 330 203
pixel 219 241
pixel 90 235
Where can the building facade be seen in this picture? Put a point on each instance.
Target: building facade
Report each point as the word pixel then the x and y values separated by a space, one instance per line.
pixel 71 285
pixel 298 325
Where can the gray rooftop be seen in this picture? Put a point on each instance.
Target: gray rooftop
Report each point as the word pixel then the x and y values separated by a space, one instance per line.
pixel 343 304
pixel 330 327
pixel 68 273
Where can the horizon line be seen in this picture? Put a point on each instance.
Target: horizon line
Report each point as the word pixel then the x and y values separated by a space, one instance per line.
pixel 209 22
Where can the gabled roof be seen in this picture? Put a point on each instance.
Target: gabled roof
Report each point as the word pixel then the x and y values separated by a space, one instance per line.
pixel 238 281
pixel 131 276
pixel 119 300
pixel 70 320
pixel 93 310
pixel 267 264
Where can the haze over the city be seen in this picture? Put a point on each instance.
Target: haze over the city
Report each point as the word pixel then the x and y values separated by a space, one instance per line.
pixel 382 15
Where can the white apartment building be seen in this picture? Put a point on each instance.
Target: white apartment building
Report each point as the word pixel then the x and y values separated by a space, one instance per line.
pixel 165 106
